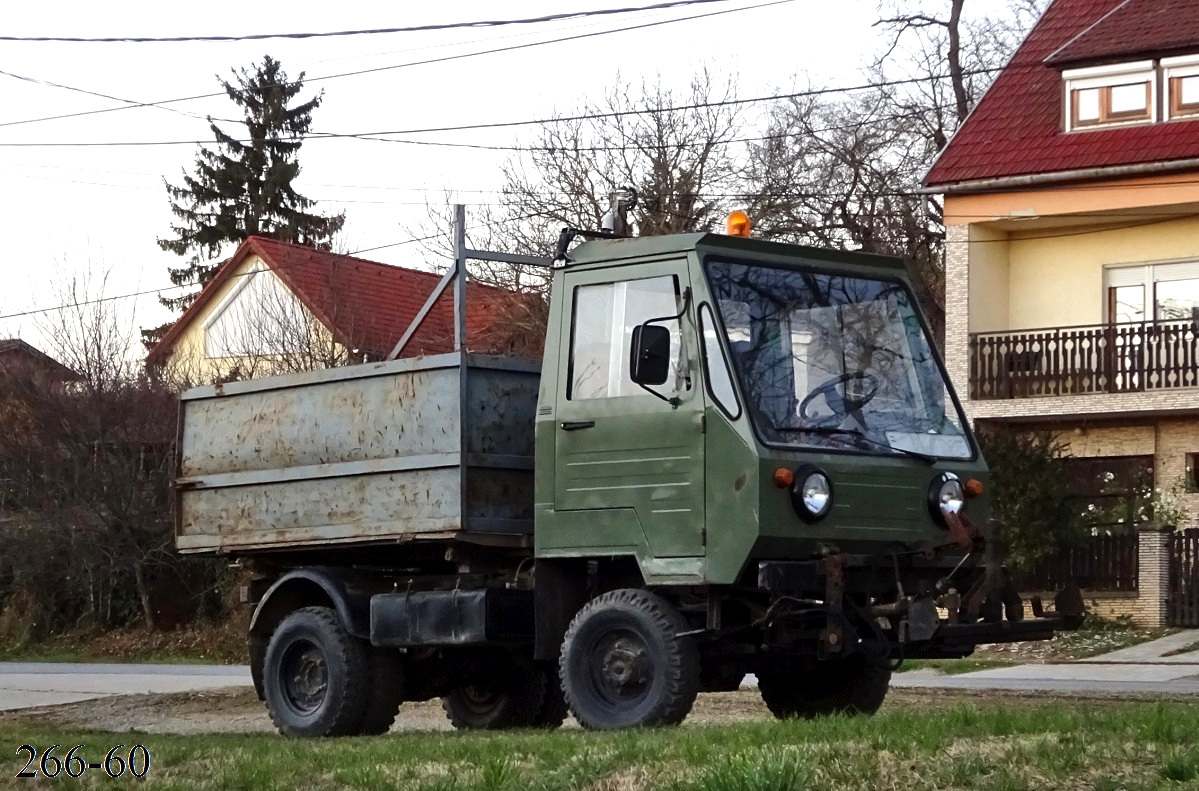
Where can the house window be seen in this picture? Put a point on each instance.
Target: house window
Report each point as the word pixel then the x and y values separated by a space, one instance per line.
pixel 1108 95
pixel 1110 495
pixel 1182 85
pixel 1184 95
pixel 1153 292
pixel 1192 485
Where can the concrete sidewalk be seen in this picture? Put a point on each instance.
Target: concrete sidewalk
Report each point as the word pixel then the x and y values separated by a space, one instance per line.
pixel 30 684
pixel 1139 669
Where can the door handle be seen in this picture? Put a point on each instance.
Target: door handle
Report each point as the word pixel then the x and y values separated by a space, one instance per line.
pixel 575 425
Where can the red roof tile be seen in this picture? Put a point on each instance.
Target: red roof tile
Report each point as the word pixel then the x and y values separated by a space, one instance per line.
pixel 1132 28
pixel 1016 129
pixel 366 305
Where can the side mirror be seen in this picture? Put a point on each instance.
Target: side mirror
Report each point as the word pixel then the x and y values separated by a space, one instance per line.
pixel 649 363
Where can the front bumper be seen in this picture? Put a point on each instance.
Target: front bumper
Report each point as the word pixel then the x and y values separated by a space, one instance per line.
pixel 951 608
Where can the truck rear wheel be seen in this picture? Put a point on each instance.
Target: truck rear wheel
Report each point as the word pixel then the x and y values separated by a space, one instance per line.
pixel 624 664
pixel 553 707
pixel 315 676
pixel 509 694
pixel 844 686
pixel 386 671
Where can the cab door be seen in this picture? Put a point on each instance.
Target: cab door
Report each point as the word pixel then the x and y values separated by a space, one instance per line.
pixel 620 449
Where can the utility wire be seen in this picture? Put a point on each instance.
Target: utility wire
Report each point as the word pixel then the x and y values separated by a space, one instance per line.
pixel 427 61
pixel 86 92
pixel 527 122
pixel 164 289
pixel 365 32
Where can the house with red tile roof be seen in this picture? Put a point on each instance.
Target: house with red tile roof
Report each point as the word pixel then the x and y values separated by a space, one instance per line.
pixel 275 307
pixel 20 358
pixel 1071 198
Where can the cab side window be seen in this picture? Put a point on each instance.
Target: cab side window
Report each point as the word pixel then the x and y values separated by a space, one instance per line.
pixel 602 332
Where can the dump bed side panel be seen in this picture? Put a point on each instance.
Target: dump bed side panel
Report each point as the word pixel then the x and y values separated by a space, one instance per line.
pixel 362 454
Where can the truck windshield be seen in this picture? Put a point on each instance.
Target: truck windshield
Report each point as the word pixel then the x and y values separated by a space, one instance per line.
pixel 835 362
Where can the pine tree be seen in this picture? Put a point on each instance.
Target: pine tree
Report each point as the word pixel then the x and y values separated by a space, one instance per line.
pixel 243 188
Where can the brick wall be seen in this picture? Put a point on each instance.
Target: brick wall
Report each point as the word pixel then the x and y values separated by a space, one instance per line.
pixel 1176 438
pixel 1089 440
pixel 957 307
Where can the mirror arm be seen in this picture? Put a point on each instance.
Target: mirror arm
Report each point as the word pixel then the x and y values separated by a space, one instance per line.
pixel 674 401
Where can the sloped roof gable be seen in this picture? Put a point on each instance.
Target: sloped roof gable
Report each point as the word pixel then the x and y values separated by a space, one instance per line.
pixel 1017 130
pixel 365 304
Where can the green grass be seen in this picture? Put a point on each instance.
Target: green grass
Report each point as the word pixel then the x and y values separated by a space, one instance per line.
pixel 1021 745
pixel 952 667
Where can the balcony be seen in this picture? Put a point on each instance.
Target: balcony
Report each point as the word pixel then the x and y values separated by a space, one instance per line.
pixel 1100 358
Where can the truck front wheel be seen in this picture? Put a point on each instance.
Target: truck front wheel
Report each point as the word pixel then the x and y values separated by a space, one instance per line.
pixel 843 686
pixel 506 693
pixel 624 663
pixel 315 675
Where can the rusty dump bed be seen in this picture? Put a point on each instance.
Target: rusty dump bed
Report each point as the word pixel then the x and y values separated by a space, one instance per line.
pixel 361 455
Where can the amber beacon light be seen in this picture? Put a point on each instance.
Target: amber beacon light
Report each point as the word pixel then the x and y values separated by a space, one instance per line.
pixel 738 223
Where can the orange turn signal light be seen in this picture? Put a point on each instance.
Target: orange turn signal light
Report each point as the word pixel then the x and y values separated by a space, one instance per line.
pixel 738 223
pixel 973 487
pixel 783 477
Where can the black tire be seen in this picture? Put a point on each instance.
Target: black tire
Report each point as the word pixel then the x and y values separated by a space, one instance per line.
pixel 553 707
pixel 315 676
pixel 508 693
pixel 843 686
pixel 386 671
pixel 624 664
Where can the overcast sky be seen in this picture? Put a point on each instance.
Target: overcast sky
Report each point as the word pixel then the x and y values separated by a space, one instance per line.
pixel 76 209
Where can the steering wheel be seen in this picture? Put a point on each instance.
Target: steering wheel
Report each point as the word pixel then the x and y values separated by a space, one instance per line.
pixel 841 404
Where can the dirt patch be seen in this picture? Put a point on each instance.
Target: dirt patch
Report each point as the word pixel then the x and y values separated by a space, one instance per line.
pixel 239 711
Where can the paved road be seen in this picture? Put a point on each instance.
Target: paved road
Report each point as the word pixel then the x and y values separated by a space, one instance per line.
pixel 28 684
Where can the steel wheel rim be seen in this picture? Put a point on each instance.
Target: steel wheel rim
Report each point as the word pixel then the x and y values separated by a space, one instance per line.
pixel 304 674
pixel 620 668
pixel 480 700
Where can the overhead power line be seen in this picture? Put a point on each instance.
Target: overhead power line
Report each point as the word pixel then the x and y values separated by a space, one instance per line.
pixel 364 32
pixel 527 122
pixel 164 289
pixel 426 62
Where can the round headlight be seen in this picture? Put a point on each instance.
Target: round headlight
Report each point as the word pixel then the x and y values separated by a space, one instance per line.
pixel 946 496
pixel 812 494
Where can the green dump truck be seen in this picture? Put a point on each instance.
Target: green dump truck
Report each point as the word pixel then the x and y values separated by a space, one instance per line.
pixel 736 457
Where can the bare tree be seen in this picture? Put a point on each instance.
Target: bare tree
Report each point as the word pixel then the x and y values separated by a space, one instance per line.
pixel 682 163
pixel 944 54
pixel 86 521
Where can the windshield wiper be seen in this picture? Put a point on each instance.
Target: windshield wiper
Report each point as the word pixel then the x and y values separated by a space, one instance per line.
pixel 834 431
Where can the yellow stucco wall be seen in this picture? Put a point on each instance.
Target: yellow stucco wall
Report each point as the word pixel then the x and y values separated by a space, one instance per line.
pixel 989 276
pixel 1036 256
pixel 1055 276
pixel 188 362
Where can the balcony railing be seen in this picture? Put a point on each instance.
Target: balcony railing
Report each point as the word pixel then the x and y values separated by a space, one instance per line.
pixel 1101 358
